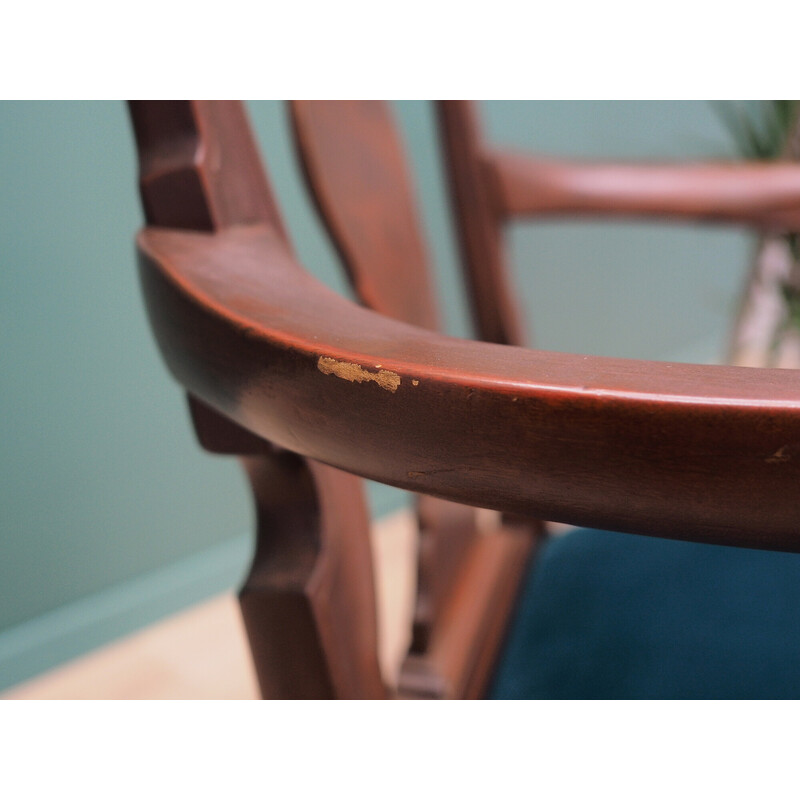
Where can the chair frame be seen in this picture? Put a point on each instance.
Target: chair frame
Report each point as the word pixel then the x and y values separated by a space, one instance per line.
pixel 294 378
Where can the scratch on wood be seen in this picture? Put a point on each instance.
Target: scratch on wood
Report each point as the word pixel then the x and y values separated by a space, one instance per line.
pixel 779 456
pixel 415 474
pixel 354 373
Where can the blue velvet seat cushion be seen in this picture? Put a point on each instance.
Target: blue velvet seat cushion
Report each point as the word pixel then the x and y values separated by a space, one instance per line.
pixel 610 615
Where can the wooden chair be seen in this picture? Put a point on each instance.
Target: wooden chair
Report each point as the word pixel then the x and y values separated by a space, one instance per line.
pixel 293 378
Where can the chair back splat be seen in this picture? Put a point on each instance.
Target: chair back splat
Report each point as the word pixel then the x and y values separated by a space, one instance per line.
pixel 356 171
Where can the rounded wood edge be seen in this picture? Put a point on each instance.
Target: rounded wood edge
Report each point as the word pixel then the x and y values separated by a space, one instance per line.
pixel 709 453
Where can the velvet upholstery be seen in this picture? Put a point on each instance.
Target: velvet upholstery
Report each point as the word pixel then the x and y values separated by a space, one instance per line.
pixel 609 615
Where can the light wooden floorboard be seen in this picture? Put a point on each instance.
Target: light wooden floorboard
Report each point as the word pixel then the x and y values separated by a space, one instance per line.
pixel 202 654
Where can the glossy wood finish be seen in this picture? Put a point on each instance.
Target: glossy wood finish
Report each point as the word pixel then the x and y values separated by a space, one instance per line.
pixel 288 373
pixel 762 195
pixel 711 451
pixel 352 157
pixel 447 533
pixel 478 222
pixel 199 167
pixel 308 601
pixel 459 657
pixel 353 160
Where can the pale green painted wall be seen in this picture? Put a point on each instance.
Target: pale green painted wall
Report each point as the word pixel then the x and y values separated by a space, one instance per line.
pixel 636 290
pixel 110 516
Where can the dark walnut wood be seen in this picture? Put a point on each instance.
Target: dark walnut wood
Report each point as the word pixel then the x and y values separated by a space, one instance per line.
pixel 308 602
pixel 353 160
pixel 459 657
pixel 352 157
pixel 308 386
pixel 713 452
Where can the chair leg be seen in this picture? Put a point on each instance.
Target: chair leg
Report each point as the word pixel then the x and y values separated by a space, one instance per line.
pixel 446 534
pixel 469 581
pixel 309 602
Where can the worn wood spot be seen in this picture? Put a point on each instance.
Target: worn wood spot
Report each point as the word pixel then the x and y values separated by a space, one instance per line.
pixel 356 374
pixel 779 456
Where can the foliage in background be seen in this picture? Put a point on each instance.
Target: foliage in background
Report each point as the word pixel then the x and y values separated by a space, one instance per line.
pixel 761 132
pixel 759 129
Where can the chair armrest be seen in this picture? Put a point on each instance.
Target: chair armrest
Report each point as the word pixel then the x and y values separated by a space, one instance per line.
pixel 762 195
pixel 683 451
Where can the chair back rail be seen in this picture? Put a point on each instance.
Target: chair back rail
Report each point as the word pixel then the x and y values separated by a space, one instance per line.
pixel 708 453
pixel 764 196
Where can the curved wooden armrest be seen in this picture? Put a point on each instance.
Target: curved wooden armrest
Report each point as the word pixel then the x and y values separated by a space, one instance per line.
pixel 684 451
pixel 762 195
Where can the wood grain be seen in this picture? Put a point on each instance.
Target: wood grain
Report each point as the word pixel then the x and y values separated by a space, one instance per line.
pixel 714 452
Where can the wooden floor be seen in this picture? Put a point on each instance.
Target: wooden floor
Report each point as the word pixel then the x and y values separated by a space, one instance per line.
pixel 202 653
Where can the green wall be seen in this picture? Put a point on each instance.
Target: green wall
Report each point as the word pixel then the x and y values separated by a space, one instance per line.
pixel 110 515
